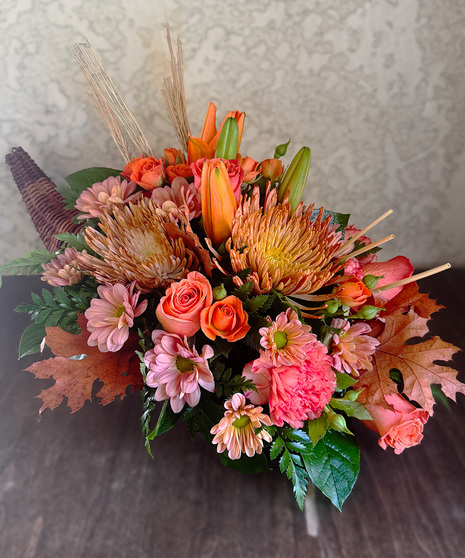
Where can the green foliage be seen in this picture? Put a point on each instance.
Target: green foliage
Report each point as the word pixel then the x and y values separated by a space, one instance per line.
pixel 31 340
pixel 166 419
pixel 30 264
pixel 281 150
pixel 351 408
pixel 81 180
pixel 344 381
pixel 290 444
pixel 341 219
pixel 317 428
pixel 202 417
pixel 255 464
pixel 243 291
pixel 75 241
pixel 333 465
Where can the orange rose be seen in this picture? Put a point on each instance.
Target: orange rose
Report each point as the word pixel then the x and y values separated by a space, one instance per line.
pixel 249 166
pixel 179 310
pixel 271 168
pixel 225 318
pixel 400 428
pixel 182 170
pixel 352 293
pixel 147 172
pixel 173 157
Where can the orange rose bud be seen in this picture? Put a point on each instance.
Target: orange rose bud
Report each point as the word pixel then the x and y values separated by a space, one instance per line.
pixel 218 201
pixel 173 157
pixel 225 318
pixel 271 169
pixel 173 171
pixel 147 172
pixel 249 167
pixel 352 293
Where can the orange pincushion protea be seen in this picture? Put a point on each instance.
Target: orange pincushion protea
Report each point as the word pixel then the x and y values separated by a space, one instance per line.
pixel 135 247
pixel 287 251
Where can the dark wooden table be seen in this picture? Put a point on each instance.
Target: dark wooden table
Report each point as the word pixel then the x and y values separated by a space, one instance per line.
pixel 81 485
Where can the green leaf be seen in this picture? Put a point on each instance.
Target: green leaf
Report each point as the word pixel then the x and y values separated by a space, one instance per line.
pixel 344 381
pixel 28 265
pixel 317 428
pixel 341 219
pixel 333 465
pixel 244 291
pixel 31 340
pixel 166 420
pixel 75 240
pixel 351 408
pixel 81 180
pixel 276 448
pixel 256 302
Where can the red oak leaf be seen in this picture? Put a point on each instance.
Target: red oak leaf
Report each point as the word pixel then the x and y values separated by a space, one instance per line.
pixel 416 362
pixel 409 296
pixel 74 378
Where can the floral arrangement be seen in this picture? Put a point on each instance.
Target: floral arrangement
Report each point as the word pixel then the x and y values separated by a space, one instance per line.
pixel 200 279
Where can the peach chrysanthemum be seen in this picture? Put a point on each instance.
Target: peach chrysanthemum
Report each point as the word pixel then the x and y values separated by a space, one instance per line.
pixel 352 347
pixel 110 316
pixel 104 195
pixel 183 194
pixel 63 271
pixel 177 371
pixel 135 247
pixel 285 339
pixel 290 252
pixel 236 431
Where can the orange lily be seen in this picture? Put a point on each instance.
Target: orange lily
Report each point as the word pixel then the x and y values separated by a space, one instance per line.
pixel 218 201
pixel 204 147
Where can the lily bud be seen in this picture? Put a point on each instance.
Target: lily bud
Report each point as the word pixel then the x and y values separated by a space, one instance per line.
pixel 228 142
pixel 218 201
pixel 198 149
pixel 295 178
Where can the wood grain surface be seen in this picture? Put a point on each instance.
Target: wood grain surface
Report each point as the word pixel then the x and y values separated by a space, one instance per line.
pixel 82 485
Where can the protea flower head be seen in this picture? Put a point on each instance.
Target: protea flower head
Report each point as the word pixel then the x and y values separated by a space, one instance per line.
pixel 135 247
pixel 290 252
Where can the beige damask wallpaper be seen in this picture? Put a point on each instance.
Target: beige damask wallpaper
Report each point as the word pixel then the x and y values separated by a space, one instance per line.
pixel 375 88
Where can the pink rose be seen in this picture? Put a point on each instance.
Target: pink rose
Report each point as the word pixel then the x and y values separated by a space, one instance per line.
pixel 179 310
pixel 400 428
pixel 235 173
pixel 393 270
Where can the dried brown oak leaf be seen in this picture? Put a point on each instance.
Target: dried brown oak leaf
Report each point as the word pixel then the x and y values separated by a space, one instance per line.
pixel 415 361
pixel 74 379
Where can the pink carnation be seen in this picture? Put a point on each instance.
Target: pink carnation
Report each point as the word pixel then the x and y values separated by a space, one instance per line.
pixel 104 195
pixel 63 271
pixel 110 316
pixel 352 347
pixel 177 371
pixel 293 393
pixel 351 231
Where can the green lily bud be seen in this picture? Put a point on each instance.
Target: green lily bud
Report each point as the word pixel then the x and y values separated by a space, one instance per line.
pixel 220 292
pixel 368 312
pixel 281 150
pixel 332 306
pixel 228 143
pixel 371 281
pixel 295 178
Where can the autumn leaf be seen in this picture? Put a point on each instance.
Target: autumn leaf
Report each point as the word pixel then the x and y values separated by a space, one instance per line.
pixel 74 378
pixel 411 297
pixel 416 362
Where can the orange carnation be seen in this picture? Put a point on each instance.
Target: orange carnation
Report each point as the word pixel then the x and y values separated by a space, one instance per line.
pixel 352 293
pixel 225 318
pixel 147 172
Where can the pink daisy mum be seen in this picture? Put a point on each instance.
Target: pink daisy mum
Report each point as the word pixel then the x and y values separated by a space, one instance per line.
pixel 293 393
pixel 104 195
pixel 177 371
pixel 284 341
pixel 63 270
pixel 182 194
pixel 237 430
pixel 110 316
pixel 352 348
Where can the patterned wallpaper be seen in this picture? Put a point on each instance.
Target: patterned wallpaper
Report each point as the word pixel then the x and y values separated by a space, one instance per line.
pixel 375 88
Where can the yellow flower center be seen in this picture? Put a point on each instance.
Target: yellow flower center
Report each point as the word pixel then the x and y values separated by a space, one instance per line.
pixel 119 311
pixel 280 339
pixel 242 421
pixel 184 364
